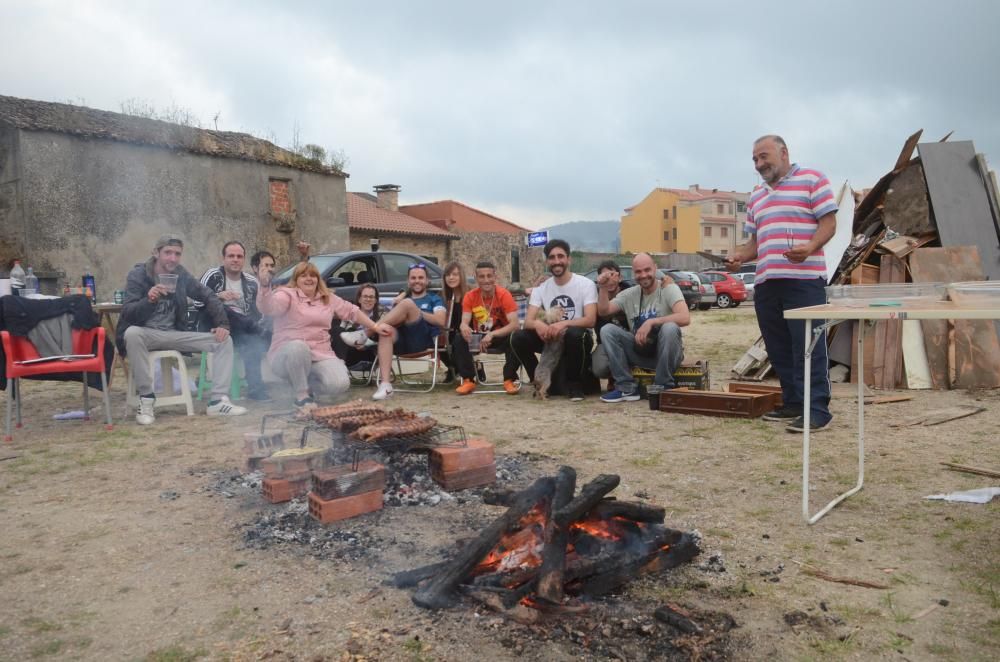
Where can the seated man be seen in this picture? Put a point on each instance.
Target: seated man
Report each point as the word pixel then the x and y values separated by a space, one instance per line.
pixel 613 284
pixel 490 310
pixel 574 298
pixel 154 317
pixel 238 293
pixel 653 339
pixel 414 323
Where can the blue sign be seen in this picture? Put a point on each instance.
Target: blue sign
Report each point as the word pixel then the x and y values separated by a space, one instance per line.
pixel 538 238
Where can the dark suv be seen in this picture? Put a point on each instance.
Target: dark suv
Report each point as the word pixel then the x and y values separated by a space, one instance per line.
pixel 690 285
pixel 344 272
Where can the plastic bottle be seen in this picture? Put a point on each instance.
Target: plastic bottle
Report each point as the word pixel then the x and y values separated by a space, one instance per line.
pixel 31 281
pixel 89 285
pixel 17 277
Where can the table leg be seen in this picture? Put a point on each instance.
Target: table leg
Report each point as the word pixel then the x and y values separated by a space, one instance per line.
pixel 805 432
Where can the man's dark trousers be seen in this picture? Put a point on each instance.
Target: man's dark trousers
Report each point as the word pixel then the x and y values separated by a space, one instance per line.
pixel 578 343
pixel 785 341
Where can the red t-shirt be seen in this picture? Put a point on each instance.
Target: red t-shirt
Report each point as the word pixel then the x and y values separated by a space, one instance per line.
pixel 489 313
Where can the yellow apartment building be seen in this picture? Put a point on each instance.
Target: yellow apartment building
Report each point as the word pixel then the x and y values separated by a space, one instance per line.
pixel 687 220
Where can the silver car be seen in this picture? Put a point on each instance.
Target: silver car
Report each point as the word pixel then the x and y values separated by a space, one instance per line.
pixel 747 279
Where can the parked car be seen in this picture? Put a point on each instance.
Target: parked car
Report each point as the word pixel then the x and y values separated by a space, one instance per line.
pixel 626 272
pixel 691 287
pixel 344 272
pixel 748 279
pixel 729 291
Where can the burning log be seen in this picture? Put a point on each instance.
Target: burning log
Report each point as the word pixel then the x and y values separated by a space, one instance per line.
pixel 550 577
pixel 439 591
pixel 590 495
pixel 637 512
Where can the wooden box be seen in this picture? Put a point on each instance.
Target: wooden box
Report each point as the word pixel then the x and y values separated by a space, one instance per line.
pixel 716 403
pixel 343 480
pixel 773 391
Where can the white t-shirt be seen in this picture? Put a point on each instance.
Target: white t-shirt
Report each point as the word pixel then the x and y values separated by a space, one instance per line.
pixel 572 296
pixel 236 286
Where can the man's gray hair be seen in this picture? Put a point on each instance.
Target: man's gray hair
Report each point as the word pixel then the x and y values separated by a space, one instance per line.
pixel 771 136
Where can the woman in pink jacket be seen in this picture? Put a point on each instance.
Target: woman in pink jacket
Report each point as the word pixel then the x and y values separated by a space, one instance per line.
pixel 303 312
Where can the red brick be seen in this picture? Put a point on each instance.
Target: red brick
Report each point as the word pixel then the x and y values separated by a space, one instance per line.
pixel 342 481
pixel 477 453
pixel 337 509
pixel 463 480
pixel 278 490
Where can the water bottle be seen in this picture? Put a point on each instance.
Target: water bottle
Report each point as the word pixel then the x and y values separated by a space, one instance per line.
pixel 31 281
pixel 89 285
pixel 17 278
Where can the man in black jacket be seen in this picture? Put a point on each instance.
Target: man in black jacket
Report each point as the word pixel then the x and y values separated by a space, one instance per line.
pixel 154 316
pixel 238 293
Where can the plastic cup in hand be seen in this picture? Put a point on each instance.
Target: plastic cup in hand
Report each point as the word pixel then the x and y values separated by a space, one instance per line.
pixel 474 340
pixel 169 281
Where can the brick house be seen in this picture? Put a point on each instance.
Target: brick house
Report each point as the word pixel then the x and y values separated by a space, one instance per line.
pixel 378 217
pixel 84 188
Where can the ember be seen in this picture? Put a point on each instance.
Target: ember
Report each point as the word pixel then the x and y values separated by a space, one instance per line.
pixel 550 544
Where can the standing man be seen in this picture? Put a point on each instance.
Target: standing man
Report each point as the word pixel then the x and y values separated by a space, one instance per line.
pixel 491 310
pixel 238 293
pixel 790 217
pixel 652 339
pixel 414 323
pixel 576 296
pixel 154 316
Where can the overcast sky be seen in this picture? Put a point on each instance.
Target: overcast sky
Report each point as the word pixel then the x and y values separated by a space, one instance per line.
pixel 540 112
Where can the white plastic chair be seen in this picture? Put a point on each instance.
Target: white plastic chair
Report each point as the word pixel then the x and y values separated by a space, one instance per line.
pixel 169 395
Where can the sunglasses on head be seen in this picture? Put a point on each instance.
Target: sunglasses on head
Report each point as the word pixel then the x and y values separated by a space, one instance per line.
pixel 418 265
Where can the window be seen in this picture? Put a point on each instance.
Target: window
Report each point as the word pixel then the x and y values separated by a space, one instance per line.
pixel 741 207
pixel 666 235
pixel 723 232
pixel 674 213
pixel 515 265
pixel 724 251
pixel 708 230
pixel 666 214
pixel 397 267
pixel 675 234
pixel 281 196
pixel 351 270
pixel 720 209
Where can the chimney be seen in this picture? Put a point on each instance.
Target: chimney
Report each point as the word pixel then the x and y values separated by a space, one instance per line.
pixel 694 188
pixel 388 196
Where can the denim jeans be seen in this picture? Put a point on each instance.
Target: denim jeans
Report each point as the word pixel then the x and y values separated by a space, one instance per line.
pixel 785 342
pixel 624 354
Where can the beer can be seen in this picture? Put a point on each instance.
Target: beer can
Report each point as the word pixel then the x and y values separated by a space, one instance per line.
pixel 119 296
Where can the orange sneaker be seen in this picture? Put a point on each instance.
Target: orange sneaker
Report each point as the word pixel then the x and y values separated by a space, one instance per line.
pixel 467 387
pixel 512 387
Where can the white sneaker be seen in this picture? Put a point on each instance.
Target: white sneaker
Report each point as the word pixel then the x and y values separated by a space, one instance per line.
pixel 144 414
pixel 225 408
pixel 383 392
pixel 354 338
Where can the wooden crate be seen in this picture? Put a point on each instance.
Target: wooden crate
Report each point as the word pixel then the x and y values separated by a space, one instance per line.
pixel 773 391
pixel 716 403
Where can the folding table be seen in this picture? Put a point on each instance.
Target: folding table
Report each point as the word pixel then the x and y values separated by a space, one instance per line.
pixel 835 313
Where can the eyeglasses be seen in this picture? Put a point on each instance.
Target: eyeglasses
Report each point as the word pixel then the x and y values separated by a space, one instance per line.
pixel 418 265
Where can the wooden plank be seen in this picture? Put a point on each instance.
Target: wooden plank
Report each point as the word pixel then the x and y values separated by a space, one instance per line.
pixel 907 208
pixel 959 200
pixel 892 271
pixel 973 344
pixel 907 152
pixel 918 373
pixel 990 180
pixel 866 274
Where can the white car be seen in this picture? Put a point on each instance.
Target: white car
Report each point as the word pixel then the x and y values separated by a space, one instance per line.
pixel 747 279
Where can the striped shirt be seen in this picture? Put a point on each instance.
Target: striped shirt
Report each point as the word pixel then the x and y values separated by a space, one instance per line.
pixel 788 215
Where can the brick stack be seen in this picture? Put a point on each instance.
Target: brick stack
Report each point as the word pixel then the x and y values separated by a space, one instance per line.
pixel 462 467
pixel 257 447
pixel 342 492
pixel 289 472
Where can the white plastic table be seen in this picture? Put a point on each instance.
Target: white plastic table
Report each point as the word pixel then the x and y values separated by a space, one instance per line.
pixel 834 313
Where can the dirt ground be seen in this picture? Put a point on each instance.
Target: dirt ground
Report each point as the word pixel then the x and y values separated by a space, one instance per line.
pixel 137 543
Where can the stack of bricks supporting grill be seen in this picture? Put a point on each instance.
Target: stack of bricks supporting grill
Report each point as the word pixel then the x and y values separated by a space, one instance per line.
pixel 342 492
pixel 462 467
pixel 288 473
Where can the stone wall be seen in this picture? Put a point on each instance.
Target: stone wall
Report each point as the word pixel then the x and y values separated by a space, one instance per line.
pixel 497 247
pixel 437 249
pixel 70 204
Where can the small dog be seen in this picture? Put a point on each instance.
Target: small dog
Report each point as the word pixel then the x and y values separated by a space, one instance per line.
pixel 550 356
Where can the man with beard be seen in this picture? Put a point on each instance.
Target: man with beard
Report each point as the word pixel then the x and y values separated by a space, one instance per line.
pixel 414 321
pixel 652 339
pixel 790 217
pixel 154 316
pixel 238 293
pixel 576 297
pixel 491 310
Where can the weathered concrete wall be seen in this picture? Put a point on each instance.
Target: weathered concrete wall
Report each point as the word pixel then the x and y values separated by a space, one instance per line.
pixel 427 247
pixel 11 226
pixel 102 204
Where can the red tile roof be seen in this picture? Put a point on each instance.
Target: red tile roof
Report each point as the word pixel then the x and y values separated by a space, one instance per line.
pixel 701 195
pixel 363 214
pixel 459 216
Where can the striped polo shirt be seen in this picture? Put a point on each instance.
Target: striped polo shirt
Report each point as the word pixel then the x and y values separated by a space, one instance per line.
pixel 788 215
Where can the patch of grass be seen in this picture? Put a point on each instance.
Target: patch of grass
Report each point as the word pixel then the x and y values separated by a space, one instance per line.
pixel 898 640
pixel 854 613
pixel 175 653
pixel 898 615
pixel 654 460
pixel 4 631
pixel 48 648
pixel 417 650
pixel 840 542
pixel 718 533
pixel 724 318
pixel 39 625
pixel 835 647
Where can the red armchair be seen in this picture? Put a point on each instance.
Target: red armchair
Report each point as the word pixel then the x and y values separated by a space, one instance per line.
pixel 19 348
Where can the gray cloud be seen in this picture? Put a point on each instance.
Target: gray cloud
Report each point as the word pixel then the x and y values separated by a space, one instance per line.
pixel 547 111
